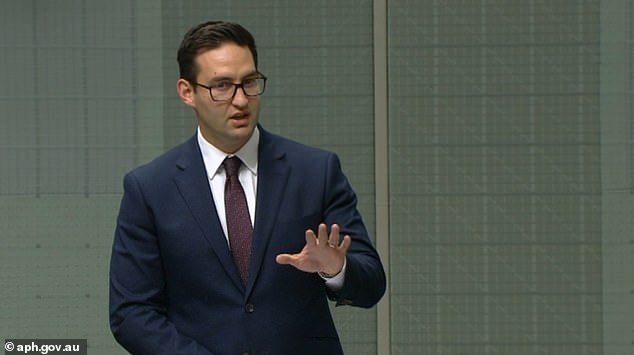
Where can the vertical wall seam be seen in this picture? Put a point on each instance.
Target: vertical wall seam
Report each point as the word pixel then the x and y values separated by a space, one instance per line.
pixel 629 49
pixel 381 165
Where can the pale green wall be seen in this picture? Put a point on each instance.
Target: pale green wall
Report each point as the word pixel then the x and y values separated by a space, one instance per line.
pixel 495 178
pixel 510 158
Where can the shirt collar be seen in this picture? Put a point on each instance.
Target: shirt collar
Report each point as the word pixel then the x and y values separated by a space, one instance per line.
pixel 213 157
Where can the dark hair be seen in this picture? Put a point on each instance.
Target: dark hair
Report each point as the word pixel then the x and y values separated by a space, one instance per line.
pixel 210 35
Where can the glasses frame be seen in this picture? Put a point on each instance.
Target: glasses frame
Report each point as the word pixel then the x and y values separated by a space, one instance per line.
pixel 235 88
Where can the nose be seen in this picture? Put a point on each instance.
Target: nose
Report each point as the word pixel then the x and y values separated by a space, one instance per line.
pixel 240 99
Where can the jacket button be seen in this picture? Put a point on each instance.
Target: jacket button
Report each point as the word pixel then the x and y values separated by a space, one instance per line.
pixel 249 308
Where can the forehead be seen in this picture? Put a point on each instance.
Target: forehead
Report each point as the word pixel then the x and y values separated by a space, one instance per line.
pixel 229 60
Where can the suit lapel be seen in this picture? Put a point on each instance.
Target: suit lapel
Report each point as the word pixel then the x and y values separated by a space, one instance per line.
pixel 273 174
pixel 192 183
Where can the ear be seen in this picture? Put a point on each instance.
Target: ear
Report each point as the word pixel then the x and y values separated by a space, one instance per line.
pixel 185 92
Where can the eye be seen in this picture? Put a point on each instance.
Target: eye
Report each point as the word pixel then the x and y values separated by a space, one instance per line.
pixel 222 86
pixel 250 82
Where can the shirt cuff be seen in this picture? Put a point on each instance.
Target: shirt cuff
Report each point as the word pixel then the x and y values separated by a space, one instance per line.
pixel 335 283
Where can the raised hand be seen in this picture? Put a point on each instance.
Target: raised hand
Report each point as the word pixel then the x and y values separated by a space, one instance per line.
pixel 323 253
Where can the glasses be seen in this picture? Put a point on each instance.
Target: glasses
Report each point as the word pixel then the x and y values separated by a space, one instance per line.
pixel 225 90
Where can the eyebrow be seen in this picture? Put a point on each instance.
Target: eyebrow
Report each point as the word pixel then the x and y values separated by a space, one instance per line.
pixel 223 78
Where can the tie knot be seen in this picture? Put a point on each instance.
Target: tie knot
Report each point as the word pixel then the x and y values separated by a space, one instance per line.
pixel 232 165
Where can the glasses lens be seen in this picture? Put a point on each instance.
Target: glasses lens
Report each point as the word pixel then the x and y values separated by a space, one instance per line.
pixel 225 91
pixel 222 91
pixel 253 87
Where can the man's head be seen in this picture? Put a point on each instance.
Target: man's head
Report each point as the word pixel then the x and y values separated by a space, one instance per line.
pixel 211 35
pixel 214 57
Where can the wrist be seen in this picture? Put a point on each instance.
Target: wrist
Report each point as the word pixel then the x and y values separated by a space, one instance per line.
pixel 328 276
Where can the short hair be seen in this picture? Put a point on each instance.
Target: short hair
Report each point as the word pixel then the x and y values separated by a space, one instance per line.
pixel 210 35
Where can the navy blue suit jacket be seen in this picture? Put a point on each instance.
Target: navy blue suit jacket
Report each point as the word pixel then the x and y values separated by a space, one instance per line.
pixel 174 288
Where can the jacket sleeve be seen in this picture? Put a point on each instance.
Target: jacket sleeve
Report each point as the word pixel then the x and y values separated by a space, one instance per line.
pixel 137 301
pixel 364 282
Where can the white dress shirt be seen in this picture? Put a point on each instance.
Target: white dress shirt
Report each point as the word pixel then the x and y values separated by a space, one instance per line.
pixel 248 174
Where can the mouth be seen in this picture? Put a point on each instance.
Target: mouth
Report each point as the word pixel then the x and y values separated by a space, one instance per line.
pixel 240 117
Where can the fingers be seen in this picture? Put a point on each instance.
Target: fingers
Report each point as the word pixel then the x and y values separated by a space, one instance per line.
pixel 345 244
pixel 333 238
pixel 317 256
pixel 311 238
pixel 323 238
pixel 335 242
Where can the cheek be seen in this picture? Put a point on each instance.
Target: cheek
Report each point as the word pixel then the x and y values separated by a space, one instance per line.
pixel 255 107
pixel 210 113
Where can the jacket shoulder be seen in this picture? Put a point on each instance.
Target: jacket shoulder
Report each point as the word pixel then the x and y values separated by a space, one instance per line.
pixel 167 161
pixel 294 149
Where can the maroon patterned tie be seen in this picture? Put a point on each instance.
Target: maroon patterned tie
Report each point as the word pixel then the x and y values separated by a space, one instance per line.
pixel 238 220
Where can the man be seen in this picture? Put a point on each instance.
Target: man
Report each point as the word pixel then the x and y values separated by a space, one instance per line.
pixel 231 242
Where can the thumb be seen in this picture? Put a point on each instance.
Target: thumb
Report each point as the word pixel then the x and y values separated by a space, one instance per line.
pixel 284 259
